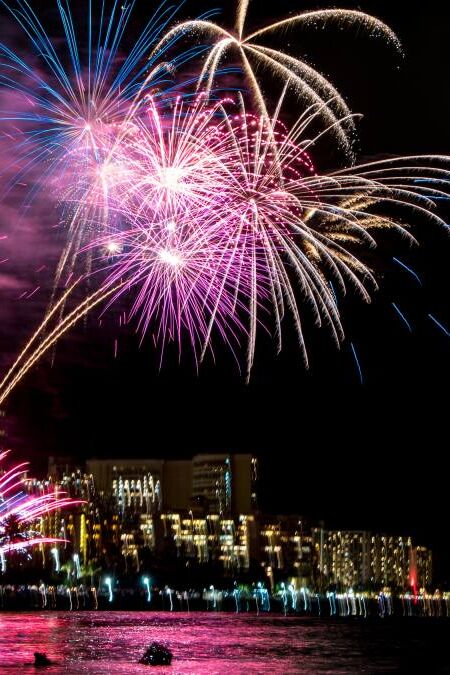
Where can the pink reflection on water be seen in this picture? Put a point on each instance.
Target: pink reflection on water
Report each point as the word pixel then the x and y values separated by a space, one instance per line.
pixel 219 643
pixel 113 642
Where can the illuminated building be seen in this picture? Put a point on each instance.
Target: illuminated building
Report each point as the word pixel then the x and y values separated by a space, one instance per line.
pixel 421 573
pixel 361 559
pixel 390 559
pixel 225 483
pixel 110 473
pixel 286 548
pixel 92 527
pixel 137 493
pixel 212 538
pixel 186 512
pixel 211 482
pixel 190 535
pixel 233 541
pixel 344 557
pixel 194 501
pixel 220 483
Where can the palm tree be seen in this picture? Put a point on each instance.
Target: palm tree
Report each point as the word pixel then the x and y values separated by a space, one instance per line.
pixel 68 568
pixel 90 570
pixel 12 528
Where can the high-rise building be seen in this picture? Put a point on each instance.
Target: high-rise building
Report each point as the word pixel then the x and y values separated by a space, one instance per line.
pixel 344 557
pixel 137 494
pixel 211 482
pixel 220 483
pixel 421 573
pixel 285 548
pixel 361 559
pixel 225 483
pixel 106 471
pixel 390 560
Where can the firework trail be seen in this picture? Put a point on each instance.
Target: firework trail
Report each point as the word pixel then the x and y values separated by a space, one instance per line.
pixel 310 86
pixel 20 512
pixel 44 338
pixel 48 317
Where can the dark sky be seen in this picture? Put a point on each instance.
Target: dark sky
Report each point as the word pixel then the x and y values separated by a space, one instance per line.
pixel 372 455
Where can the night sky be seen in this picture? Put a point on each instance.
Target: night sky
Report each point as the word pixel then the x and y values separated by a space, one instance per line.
pixel 370 455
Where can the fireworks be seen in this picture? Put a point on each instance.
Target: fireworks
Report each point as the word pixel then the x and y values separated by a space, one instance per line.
pixel 19 512
pixel 53 326
pixel 63 106
pixel 171 236
pixel 225 219
pixel 70 103
pixel 310 86
pixel 206 216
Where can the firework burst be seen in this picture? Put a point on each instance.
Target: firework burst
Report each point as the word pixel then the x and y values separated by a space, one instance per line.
pixel 245 225
pixel 209 217
pixel 64 104
pixel 167 234
pixel 310 86
pixel 20 513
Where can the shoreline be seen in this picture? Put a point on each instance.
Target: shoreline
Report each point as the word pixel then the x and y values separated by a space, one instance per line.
pixel 324 607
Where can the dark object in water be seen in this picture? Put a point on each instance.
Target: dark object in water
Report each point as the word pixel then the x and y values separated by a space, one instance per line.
pixel 156 655
pixel 41 659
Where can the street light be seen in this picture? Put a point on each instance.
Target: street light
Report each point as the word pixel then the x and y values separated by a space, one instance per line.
pixel 76 560
pixel 55 553
pixel 146 582
pixel 108 583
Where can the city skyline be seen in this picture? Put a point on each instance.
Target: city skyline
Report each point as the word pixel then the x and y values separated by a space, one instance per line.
pixel 137 513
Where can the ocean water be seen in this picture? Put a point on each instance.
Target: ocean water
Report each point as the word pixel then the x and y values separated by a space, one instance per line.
pixel 113 642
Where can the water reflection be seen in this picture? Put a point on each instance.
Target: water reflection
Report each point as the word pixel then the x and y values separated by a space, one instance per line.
pixel 112 642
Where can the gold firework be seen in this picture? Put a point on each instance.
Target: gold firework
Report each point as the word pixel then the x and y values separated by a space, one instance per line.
pixel 308 84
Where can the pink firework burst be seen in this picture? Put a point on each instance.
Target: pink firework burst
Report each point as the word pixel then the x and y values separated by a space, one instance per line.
pixel 20 512
pixel 219 223
pixel 203 208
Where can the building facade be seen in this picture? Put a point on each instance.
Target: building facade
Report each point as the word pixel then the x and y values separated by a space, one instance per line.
pixel 361 559
pixel 215 483
pixel 200 514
